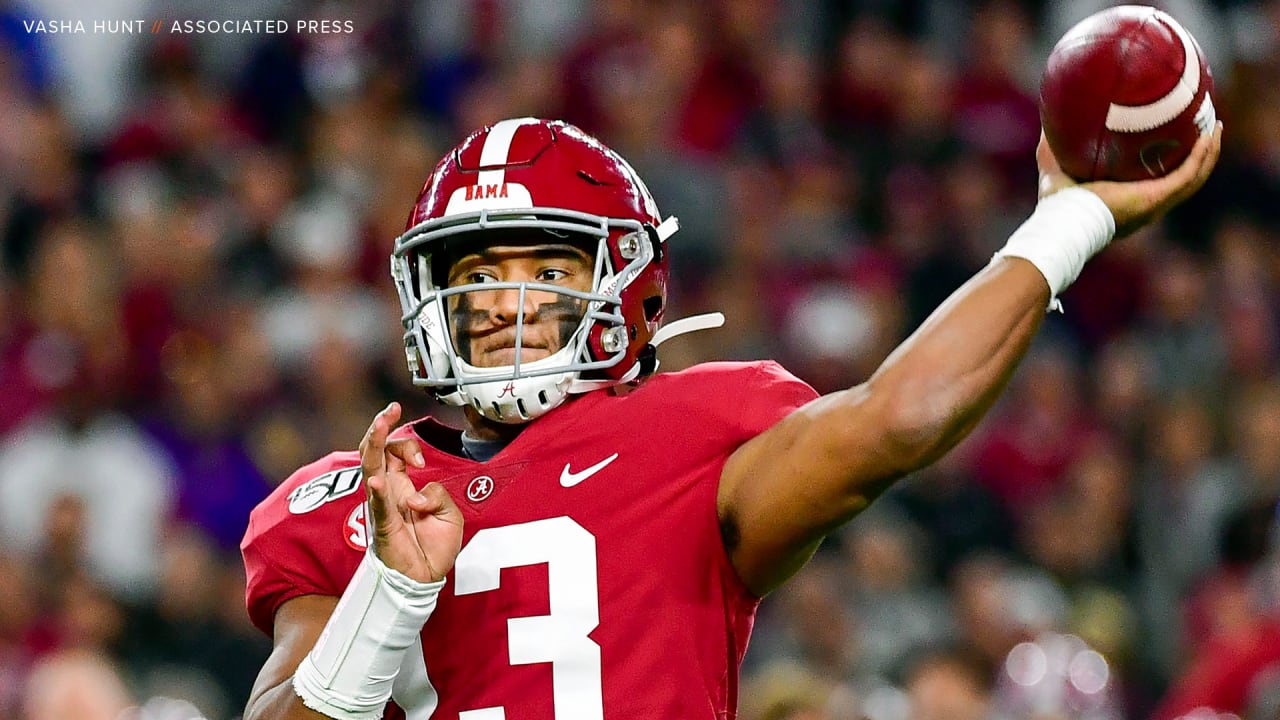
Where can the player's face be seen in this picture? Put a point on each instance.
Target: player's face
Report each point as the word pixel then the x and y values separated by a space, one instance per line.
pixel 484 322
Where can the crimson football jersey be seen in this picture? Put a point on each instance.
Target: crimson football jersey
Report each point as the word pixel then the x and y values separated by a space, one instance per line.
pixel 592 581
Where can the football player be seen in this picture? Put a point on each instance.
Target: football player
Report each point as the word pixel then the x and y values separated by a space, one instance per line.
pixel 595 541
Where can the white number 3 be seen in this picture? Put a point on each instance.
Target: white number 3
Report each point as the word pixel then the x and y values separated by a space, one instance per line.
pixel 559 638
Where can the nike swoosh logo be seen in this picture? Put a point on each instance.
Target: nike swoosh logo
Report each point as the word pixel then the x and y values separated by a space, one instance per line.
pixel 569 479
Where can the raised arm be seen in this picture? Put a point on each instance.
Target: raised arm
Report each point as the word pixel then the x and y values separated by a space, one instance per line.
pixel 338 657
pixel 783 491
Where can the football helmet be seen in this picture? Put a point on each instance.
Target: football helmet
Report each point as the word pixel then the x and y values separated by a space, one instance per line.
pixel 531 174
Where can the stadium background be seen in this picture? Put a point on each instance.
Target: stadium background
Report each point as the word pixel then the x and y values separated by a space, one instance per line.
pixel 194 301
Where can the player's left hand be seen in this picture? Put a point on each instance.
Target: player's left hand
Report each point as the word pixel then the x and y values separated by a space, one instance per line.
pixel 1139 202
pixel 415 532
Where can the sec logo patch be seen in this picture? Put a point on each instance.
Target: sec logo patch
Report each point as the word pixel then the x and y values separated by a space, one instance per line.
pixel 356 529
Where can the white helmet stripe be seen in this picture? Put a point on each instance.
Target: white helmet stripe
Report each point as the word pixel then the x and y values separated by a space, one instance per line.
pixel 497 146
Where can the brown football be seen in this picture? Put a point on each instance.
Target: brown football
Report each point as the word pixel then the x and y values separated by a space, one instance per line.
pixel 1125 94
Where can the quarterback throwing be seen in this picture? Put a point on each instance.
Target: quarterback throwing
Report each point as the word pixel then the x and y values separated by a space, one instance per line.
pixel 594 542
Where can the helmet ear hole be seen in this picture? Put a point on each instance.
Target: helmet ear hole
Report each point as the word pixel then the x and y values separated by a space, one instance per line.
pixel 652 307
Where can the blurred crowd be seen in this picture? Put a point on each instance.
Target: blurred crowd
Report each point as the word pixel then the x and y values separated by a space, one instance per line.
pixel 194 301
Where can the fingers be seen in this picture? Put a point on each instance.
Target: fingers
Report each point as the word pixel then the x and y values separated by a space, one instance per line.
pixel 1187 178
pixel 1137 203
pixel 406 451
pixel 438 528
pixel 373 446
pixel 1185 175
pixel 1052 178
pixel 1209 149
pixel 433 499
pixel 1046 161
pixel 373 463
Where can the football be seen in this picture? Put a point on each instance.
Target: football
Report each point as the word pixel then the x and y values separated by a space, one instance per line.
pixel 1125 94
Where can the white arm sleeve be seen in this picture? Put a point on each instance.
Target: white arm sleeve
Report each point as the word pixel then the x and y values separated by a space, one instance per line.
pixel 349 673
pixel 1067 228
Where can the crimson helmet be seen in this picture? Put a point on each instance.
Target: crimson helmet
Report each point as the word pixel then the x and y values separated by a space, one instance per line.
pixel 527 173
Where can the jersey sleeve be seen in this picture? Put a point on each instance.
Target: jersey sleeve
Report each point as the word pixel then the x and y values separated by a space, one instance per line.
pixel 288 547
pixel 774 393
pixel 743 399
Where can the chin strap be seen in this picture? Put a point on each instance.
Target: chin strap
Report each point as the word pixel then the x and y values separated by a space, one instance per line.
pixel 683 326
pixel 578 387
pixel 693 323
pixel 667 228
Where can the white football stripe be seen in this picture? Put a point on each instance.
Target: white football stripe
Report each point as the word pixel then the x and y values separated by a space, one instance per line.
pixel 497 146
pixel 1137 118
pixel 1206 117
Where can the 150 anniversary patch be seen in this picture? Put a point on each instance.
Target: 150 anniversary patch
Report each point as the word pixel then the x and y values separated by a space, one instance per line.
pixel 325 488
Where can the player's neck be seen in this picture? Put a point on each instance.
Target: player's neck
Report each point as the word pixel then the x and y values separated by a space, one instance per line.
pixel 482 428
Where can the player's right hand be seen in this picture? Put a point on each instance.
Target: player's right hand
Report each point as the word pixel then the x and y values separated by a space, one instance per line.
pixel 1139 202
pixel 415 532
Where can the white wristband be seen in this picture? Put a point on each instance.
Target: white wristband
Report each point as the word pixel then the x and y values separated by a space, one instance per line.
pixel 1067 228
pixel 349 673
